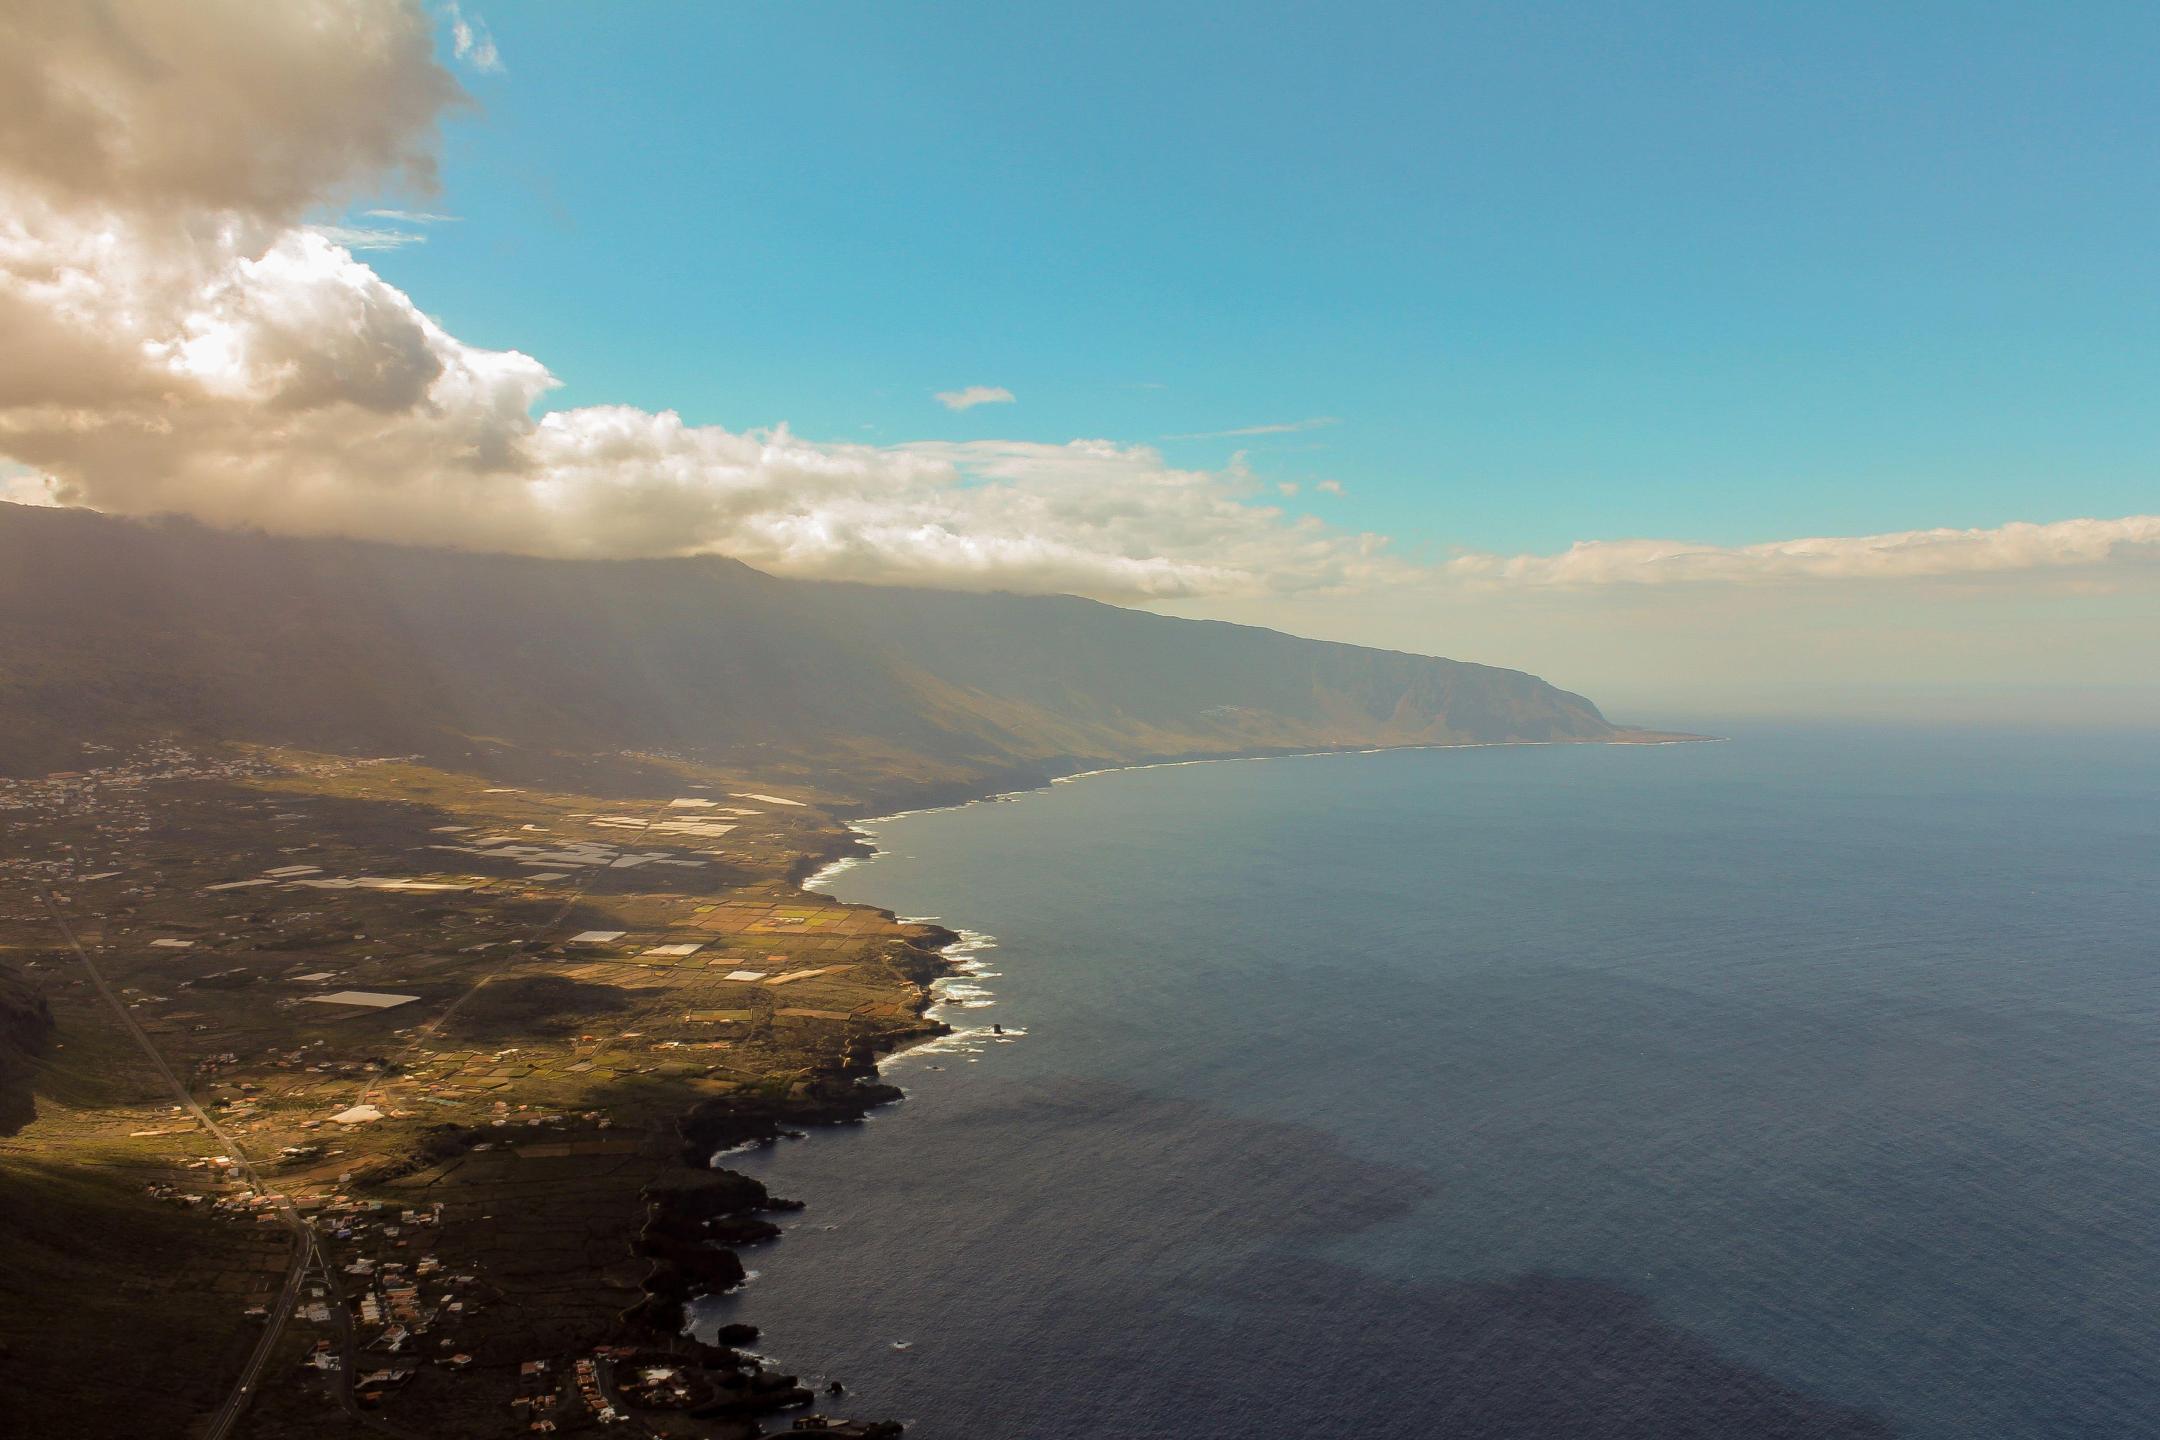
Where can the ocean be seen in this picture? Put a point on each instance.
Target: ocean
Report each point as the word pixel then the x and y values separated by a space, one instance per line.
pixel 1804 1084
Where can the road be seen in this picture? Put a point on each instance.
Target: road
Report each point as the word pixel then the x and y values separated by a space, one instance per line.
pixel 306 1256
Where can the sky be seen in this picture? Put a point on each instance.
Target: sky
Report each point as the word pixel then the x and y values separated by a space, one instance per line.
pixel 1705 358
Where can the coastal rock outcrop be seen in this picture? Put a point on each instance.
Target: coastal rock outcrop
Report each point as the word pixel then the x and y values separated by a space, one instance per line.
pixel 835 1098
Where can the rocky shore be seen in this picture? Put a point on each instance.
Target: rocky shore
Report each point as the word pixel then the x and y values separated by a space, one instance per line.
pixel 696 1224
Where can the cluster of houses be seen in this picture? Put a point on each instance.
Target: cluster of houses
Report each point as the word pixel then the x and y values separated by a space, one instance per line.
pixel 110 796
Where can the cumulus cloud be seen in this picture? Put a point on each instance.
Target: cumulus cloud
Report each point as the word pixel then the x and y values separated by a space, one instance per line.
pixel 217 104
pixel 974 395
pixel 1903 555
pixel 298 391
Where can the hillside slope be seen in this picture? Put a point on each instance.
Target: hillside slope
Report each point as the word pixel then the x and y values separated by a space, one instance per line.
pixel 118 630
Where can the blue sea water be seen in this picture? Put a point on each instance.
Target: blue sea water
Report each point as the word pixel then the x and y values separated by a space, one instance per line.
pixel 1806 1084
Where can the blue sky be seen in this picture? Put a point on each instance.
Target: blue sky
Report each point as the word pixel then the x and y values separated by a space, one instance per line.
pixel 1707 272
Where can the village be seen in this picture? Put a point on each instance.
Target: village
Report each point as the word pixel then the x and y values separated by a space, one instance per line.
pixel 449 1028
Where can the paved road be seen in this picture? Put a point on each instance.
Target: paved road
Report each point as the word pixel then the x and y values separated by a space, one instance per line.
pixel 305 1254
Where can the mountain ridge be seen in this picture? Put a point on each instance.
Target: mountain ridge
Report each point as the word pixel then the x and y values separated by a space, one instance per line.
pixel 115 629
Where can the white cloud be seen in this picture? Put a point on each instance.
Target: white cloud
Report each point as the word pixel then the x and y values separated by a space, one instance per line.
pixel 471 42
pixel 369 237
pixel 383 237
pixel 1906 554
pixel 1286 427
pixel 1329 487
pixel 974 395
